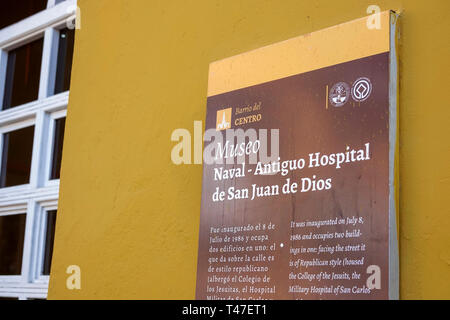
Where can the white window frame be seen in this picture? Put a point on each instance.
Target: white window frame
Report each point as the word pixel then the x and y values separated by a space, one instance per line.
pixel 13 209
pixel 52 117
pixel 38 250
pixel 20 124
pixel 40 194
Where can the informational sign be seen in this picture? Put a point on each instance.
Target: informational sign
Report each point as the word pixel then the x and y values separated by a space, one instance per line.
pixel 299 188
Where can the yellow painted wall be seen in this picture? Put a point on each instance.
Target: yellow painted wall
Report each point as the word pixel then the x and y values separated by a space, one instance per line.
pixel 129 217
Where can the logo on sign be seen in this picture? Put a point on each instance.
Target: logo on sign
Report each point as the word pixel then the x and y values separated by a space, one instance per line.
pixel 361 89
pixel 223 120
pixel 339 94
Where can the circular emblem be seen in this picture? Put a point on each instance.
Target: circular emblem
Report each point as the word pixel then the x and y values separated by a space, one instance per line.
pixel 339 94
pixel 361 89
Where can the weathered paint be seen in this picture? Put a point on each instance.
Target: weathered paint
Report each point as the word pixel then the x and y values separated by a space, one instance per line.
pixel 129 217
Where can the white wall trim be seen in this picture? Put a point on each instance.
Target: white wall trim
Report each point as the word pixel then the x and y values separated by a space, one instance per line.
pixel 41 194
pixel 29 110
pixel 32 27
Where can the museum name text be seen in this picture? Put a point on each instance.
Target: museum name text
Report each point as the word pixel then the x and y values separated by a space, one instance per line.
pixel 305 184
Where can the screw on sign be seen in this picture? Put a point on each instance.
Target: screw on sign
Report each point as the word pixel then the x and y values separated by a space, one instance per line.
pixel 361 89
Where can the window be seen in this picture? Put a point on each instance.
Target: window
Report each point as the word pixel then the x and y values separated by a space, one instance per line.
pixel 16 157
pixel 58 139
pixel 49 239
pixel 23 74
pixel 35 69
pixel 14 11
pixel 65 55
pixel 12 231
